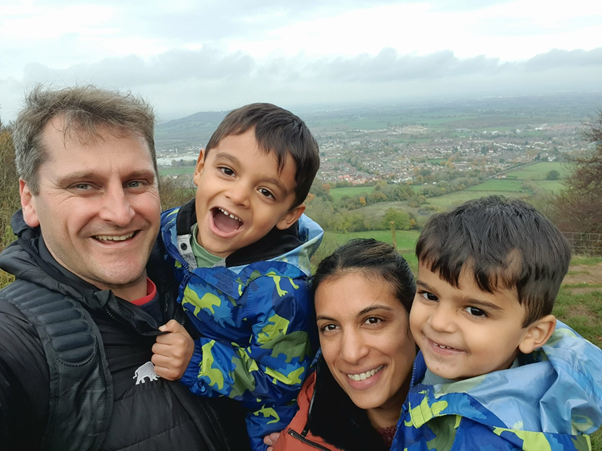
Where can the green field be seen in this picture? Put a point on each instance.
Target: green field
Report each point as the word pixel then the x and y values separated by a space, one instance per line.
pixel 539 171
pixel 498 186
pixel 338 193
pixel 512 186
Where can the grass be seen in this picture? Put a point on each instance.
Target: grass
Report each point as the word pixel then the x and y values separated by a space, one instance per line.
pixel 539 171
pixel 498 185
pixel 338 193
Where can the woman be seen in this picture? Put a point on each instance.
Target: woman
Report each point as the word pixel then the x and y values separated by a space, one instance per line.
pixel 363 293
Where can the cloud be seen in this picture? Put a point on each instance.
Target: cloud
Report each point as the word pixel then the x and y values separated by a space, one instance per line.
pixel 181 82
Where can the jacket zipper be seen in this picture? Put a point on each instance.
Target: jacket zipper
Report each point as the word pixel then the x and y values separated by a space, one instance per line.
pixel 301 438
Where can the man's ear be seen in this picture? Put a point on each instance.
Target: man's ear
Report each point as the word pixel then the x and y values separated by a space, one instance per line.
pixel 28 203
pixel 538 334
pixel 198 169
pixel 290 218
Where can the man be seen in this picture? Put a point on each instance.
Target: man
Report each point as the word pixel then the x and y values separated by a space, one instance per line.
pixel 81 378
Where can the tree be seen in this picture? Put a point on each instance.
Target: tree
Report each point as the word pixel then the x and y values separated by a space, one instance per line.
pixel 578 207
pixel 553 175
pixel 400 218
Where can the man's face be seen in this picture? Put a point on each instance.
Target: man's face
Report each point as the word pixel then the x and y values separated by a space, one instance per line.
pixel 98 208
pixel 241 195
pixel 463 331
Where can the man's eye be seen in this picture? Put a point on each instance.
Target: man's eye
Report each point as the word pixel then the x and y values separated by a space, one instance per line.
pixel 81 186
pixel 476 312
pixel 266 192
pixel 429 296
pixel 227 171
pixel 134 184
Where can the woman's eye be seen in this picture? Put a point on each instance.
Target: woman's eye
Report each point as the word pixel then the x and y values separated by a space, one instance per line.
pixel 266 192
pixel 476 312
pixel 373 320
pixel 227 171
pixel 328 327
pixel 429 296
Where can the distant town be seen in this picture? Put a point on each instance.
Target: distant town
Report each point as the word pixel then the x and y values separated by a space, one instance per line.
pixel 408 143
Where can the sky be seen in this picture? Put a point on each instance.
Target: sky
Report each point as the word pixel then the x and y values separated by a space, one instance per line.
pixel 187 56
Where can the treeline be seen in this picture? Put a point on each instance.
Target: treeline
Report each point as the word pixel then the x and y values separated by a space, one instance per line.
pixel 347 215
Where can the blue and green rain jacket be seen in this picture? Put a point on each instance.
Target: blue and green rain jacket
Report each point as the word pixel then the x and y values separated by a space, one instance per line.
pixel 552 401
pixel 255 317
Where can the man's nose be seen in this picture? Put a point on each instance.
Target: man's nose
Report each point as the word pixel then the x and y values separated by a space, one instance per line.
pixel 116 207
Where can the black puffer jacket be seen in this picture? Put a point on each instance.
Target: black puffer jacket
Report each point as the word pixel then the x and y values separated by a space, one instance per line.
pixel 155 415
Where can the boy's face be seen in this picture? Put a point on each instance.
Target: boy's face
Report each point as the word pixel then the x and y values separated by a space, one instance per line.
pixel 241 196
pixel 465 332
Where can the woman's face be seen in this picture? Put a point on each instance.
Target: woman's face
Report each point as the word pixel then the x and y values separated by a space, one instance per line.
pixel 365 339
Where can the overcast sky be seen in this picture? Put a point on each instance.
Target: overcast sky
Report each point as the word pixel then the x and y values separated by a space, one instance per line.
pixel 188 56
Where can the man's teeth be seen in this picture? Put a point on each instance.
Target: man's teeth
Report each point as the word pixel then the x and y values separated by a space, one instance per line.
pixel 364 376
pixel 229 214
pixel 114 238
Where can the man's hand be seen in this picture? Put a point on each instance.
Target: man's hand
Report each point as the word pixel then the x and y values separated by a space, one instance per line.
pixel 172 351
pixel 271 439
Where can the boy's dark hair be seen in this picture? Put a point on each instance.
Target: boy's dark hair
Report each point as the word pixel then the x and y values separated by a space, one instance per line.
pixel 279 131
pixel 373 258
pixel 506 243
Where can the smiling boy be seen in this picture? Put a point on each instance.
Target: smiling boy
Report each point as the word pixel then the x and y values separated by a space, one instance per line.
pixel 496 371
pixel 241 252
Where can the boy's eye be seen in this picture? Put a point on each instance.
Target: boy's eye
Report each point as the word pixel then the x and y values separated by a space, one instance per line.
pixel 227 171
pixel 429 296
pixel 476 312
pixel 265 192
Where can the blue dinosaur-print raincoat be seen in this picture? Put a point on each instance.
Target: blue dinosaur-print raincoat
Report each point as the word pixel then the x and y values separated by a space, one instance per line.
pixel 256 321
pixel 551 402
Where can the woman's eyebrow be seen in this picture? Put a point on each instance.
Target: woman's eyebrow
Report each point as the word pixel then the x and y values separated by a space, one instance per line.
pixel 324 317
pixel 374 307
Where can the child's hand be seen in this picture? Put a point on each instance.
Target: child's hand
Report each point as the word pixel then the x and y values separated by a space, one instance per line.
pixel 172 351
pixel 271 439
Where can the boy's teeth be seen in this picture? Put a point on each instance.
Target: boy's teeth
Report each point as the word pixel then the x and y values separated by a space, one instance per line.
pixel 229 214
pixel 114 238
pixel 364 376
pixel 443 347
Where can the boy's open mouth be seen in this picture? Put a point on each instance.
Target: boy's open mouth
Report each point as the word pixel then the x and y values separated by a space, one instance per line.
pixel 225 221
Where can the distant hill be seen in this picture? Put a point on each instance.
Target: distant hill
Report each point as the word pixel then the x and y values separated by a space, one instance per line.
pixel 193 130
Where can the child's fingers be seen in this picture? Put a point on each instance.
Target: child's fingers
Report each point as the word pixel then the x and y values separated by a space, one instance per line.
pixel 166 372
pixel 271 439
pixel 171 326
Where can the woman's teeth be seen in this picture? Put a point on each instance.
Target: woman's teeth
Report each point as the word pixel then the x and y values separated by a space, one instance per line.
pixel 366 375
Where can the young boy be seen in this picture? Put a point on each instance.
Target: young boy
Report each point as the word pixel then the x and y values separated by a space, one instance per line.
pixel 495 371
pixel 241 253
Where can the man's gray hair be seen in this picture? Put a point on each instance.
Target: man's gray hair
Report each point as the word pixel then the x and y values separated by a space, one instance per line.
pixel 84 110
